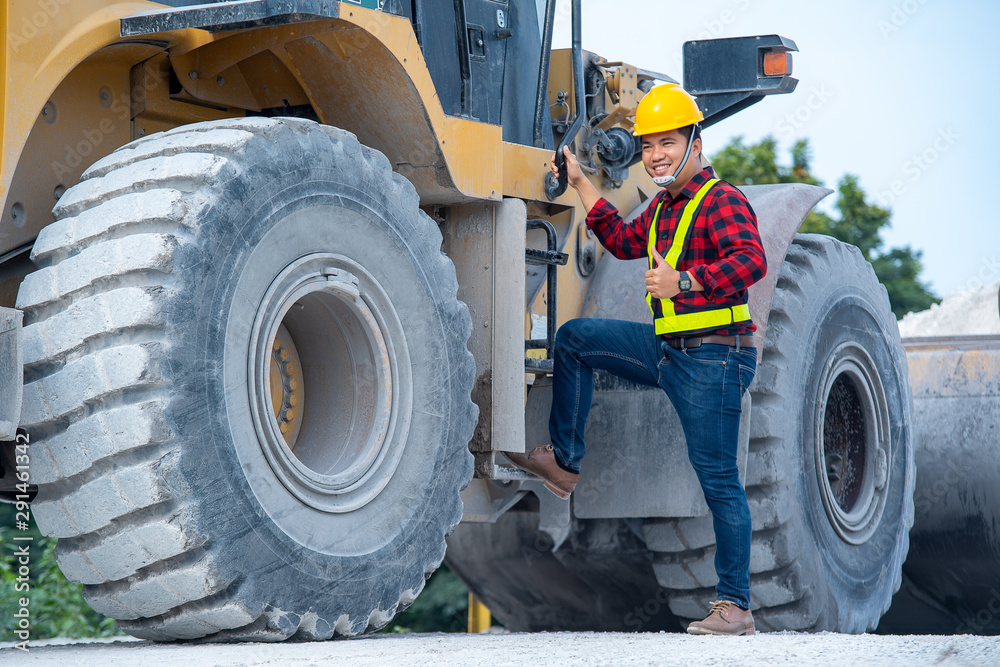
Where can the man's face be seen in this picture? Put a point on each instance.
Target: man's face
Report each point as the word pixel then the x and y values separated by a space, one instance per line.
pixel 662 154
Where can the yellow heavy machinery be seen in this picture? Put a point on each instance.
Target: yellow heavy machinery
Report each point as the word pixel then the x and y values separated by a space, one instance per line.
pixel 289 273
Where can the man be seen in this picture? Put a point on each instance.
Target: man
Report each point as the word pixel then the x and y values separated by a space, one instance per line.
pixel 700 237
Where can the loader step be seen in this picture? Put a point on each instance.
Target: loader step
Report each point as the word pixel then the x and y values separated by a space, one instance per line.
pixel 549 257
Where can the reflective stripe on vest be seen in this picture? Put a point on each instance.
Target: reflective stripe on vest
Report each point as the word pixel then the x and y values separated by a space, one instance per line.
pixel 669 321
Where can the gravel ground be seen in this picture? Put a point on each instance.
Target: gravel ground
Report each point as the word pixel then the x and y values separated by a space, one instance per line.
pixel 535 649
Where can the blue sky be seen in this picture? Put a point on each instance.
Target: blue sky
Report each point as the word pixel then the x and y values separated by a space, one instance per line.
pixel 903 93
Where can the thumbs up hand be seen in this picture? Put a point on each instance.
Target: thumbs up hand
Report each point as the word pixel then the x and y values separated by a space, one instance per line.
pixel 661 280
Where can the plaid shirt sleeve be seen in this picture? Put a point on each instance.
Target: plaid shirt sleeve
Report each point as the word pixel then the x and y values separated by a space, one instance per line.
pixel 623 240
pixel 732 227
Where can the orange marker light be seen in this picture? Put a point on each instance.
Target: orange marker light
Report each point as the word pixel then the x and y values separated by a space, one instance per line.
pixel 777 63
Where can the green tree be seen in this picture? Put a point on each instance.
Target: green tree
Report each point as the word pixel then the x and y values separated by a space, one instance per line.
pixel 441 607
pixel 899 270
pixel 56 607
pixel 860 222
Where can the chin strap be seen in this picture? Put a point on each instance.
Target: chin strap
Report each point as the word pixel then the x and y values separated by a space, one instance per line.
pixel 667 181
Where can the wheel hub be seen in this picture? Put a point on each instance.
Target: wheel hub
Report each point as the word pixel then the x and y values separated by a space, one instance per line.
pixel 285 382
pixel 852 444
pixel 322 377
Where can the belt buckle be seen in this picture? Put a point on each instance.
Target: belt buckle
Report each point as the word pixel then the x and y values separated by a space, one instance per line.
pixel 695 342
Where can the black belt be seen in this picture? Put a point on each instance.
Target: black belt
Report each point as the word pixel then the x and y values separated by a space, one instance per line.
pixel 745 340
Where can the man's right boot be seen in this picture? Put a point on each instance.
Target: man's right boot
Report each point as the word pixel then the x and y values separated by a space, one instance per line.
pixel 724 618
pixel 542 462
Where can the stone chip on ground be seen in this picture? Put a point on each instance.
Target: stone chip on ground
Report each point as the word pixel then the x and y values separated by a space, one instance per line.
pixel 541 649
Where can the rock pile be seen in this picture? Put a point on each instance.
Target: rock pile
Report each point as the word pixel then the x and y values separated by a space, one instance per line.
pixel 973 312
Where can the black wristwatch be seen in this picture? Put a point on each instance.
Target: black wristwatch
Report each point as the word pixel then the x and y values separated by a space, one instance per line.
pixel 684 282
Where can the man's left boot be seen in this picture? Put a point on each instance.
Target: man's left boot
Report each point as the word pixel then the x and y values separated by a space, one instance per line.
pixel 542 462
pixel 724 618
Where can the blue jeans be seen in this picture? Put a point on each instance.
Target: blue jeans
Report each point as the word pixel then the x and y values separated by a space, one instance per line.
pixel 705 385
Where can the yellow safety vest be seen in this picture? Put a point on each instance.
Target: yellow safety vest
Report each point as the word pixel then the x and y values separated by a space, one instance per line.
pixel 667 320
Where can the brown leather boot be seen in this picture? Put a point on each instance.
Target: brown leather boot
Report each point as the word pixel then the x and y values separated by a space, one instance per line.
pixel 724 618
pixel 542 462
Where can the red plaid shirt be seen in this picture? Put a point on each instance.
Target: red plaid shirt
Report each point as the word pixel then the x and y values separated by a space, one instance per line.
pixel 724 250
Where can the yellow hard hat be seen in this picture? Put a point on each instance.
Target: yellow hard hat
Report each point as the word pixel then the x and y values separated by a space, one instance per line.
pixel 666 107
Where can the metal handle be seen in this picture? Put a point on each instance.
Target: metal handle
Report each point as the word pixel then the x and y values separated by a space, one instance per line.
pixel 554 188
pixel 542 95
pixel 464 57
pixel 551 258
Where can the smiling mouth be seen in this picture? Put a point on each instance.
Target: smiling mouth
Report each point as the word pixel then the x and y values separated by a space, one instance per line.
pixel 661 169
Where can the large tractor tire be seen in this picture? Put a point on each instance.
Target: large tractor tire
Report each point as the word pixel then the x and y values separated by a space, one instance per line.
pixel 830 475
pixel 247 384
pixel 599 579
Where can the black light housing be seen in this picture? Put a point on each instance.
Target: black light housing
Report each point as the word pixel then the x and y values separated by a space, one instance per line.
pixel 728 75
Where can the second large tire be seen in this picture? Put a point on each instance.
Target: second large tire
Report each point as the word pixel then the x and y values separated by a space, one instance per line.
pixel 599 579
pixel 247 384
pixel 830 475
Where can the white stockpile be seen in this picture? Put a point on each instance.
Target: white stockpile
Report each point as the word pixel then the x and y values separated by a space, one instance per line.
pixel 973 312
